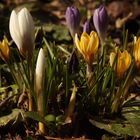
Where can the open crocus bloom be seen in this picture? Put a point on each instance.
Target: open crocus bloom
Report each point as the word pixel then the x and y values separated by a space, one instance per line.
pixel 122 63
pixel 137 52
pixel 4 49
pixel 87 45
pixel 22 31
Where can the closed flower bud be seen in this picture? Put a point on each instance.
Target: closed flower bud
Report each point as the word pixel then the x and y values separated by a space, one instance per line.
pixel 136 52
pixel 22 31
pixel 100 19
pixel 87 45
pixel 122 63
pixel 72 19
pixel 88 27
pixel 39 86
pixel 4 49
pixel 39 71
pixel 73 63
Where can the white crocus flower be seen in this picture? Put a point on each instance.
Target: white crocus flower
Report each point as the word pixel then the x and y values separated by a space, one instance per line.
pixel 39 82
pixel 40 71
pixel 22 31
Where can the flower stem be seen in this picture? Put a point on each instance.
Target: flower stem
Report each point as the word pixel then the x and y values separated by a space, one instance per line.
pixel 30 102
pixel 40 109
pixel 122 92
pixel 29 61
pixel 102 44
pixel 89 73
pixel 116 102
pixel 71 105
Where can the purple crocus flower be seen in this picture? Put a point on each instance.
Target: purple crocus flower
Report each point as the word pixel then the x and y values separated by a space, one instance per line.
pixel 73 63
pixel 88 26
pixel 100 19
pixel 72 19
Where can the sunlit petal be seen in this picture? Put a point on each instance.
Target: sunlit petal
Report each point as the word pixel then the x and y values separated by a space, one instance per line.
pixel 122 63
pixel 22 31
pixel 88 45
pixel 14 29
pixel 94 42
pixel 77 42
pixel 84 41
pixel 4 49
pixel 39 71
pixel 112 57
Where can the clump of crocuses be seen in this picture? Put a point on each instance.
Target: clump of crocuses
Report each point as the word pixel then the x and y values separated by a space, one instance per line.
pixel 72 19
pixel 100 19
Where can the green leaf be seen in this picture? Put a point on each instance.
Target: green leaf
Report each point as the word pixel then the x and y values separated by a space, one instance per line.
pixel 2 89
pixel 60 120
pixel 35 116
pixel 132 114
pixel 117 127
pixel 57 32
pixel 107 77
pixel 50 118
pixel 14 116
pixel 14 87
pixel 48 47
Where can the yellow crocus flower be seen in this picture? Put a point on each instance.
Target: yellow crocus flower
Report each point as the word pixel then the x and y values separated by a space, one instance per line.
pixel 136 52
pixel 123 61
pixel 87 45
pixel 4 49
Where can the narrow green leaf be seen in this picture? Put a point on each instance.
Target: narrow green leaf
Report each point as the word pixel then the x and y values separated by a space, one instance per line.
pixel 12 117
pixel 35 116
pixel 117 127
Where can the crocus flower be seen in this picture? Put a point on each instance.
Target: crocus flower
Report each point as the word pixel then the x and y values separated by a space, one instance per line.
pixel 73 63
pixel 39 71
pixel 88 27
pixel 72 19
pixel 122 63
pixel 4 49
pixel 87 45
pixel 39 82
pixel 136 52
pixel 22 31
pixel 100 19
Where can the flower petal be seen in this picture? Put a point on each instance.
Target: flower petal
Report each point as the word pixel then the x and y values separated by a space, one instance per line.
pixel 14 29
pixel 93 43
pixel 5 48
pixel 26 27
pixel 112 57
pixel 137 51
pixel 127 59
pixel 39 71
pixel 77 42
pixel 84 41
